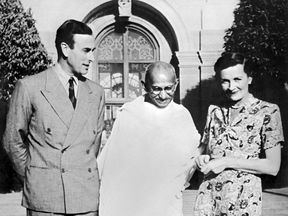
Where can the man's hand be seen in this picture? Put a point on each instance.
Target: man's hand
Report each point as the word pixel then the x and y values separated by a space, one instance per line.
pixel 202 160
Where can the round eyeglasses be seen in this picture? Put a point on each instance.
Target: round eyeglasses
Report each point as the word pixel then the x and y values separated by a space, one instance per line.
pixel 156 90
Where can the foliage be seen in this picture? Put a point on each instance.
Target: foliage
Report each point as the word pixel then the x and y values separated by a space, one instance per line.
pixel 21 51
pixel 260 31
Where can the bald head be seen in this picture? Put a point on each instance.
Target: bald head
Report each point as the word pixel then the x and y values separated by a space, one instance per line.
pixel 160 69
pixel 160 84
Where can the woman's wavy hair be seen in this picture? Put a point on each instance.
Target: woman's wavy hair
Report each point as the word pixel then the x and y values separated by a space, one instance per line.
pixel 230 59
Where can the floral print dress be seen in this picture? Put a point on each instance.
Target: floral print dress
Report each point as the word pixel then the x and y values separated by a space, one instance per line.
pixel 257 126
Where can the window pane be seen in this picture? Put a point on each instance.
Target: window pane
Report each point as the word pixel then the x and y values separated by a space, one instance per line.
pixel 111 112
pixel 111 47
pixel 136 74
pixel 111 79
pixel 140 48
pixel 110 116
pixel 113 59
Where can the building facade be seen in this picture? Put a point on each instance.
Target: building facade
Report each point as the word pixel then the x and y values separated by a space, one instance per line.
pixel 130 34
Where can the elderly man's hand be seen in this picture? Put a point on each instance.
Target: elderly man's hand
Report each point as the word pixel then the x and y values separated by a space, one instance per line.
pixel 202 160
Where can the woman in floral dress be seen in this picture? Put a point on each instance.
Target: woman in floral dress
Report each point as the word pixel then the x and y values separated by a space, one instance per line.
pixel 235 133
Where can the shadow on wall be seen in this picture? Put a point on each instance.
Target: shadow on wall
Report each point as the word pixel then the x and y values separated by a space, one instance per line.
pixel 8 178
pixel 198 99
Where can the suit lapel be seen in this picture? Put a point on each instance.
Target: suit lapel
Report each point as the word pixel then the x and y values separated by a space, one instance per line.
pixel 82 111
pixel 56 95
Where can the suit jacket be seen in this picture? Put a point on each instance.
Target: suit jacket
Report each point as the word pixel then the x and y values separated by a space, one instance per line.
pixel 54 147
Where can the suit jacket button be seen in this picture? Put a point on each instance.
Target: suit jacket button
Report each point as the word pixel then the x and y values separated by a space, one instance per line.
pixel 89 170
pixel 48 130
pixel 63 170
pixel 87 151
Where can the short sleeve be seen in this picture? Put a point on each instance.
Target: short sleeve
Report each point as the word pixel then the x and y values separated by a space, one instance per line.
pixel 206 133
pixel 272 132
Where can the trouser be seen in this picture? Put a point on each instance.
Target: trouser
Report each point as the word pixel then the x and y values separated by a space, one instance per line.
pixel 30 212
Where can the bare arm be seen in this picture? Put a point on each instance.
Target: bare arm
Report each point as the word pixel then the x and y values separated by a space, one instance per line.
pixel 269 165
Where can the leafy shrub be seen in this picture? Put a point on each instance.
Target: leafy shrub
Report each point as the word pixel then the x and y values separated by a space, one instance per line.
pixel 21 51
pixel 260 31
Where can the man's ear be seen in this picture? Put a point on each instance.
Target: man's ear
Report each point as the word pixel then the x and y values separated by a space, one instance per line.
pixel 65 49
pixel 176 83
pixel 250 79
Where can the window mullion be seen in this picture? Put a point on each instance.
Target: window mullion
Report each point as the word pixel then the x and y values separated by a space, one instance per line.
pixel 126 65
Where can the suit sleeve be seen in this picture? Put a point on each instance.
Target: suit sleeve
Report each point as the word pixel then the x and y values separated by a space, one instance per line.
pixel 17 128
pixel 100 121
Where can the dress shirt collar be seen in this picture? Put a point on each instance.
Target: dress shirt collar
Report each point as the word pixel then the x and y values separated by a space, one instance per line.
pixel 64 77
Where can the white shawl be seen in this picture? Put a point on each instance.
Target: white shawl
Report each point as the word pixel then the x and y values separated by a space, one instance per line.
pixel 146 160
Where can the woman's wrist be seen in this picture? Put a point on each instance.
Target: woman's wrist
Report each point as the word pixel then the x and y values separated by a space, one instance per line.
pixel 228 162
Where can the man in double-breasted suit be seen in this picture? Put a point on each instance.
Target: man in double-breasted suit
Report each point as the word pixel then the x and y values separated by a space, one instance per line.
pixel 54 128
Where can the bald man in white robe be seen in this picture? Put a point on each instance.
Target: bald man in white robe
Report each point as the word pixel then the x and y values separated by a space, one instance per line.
pixel 149 156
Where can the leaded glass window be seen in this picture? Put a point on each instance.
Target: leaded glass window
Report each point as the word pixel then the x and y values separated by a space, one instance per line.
pixel 122 61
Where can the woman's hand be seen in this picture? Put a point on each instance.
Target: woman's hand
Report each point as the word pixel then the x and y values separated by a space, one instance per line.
pixel 269 165
pixel 216 166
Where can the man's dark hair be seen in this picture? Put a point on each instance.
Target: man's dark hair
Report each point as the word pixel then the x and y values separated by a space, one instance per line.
pixel 229 60
pixel 66 32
